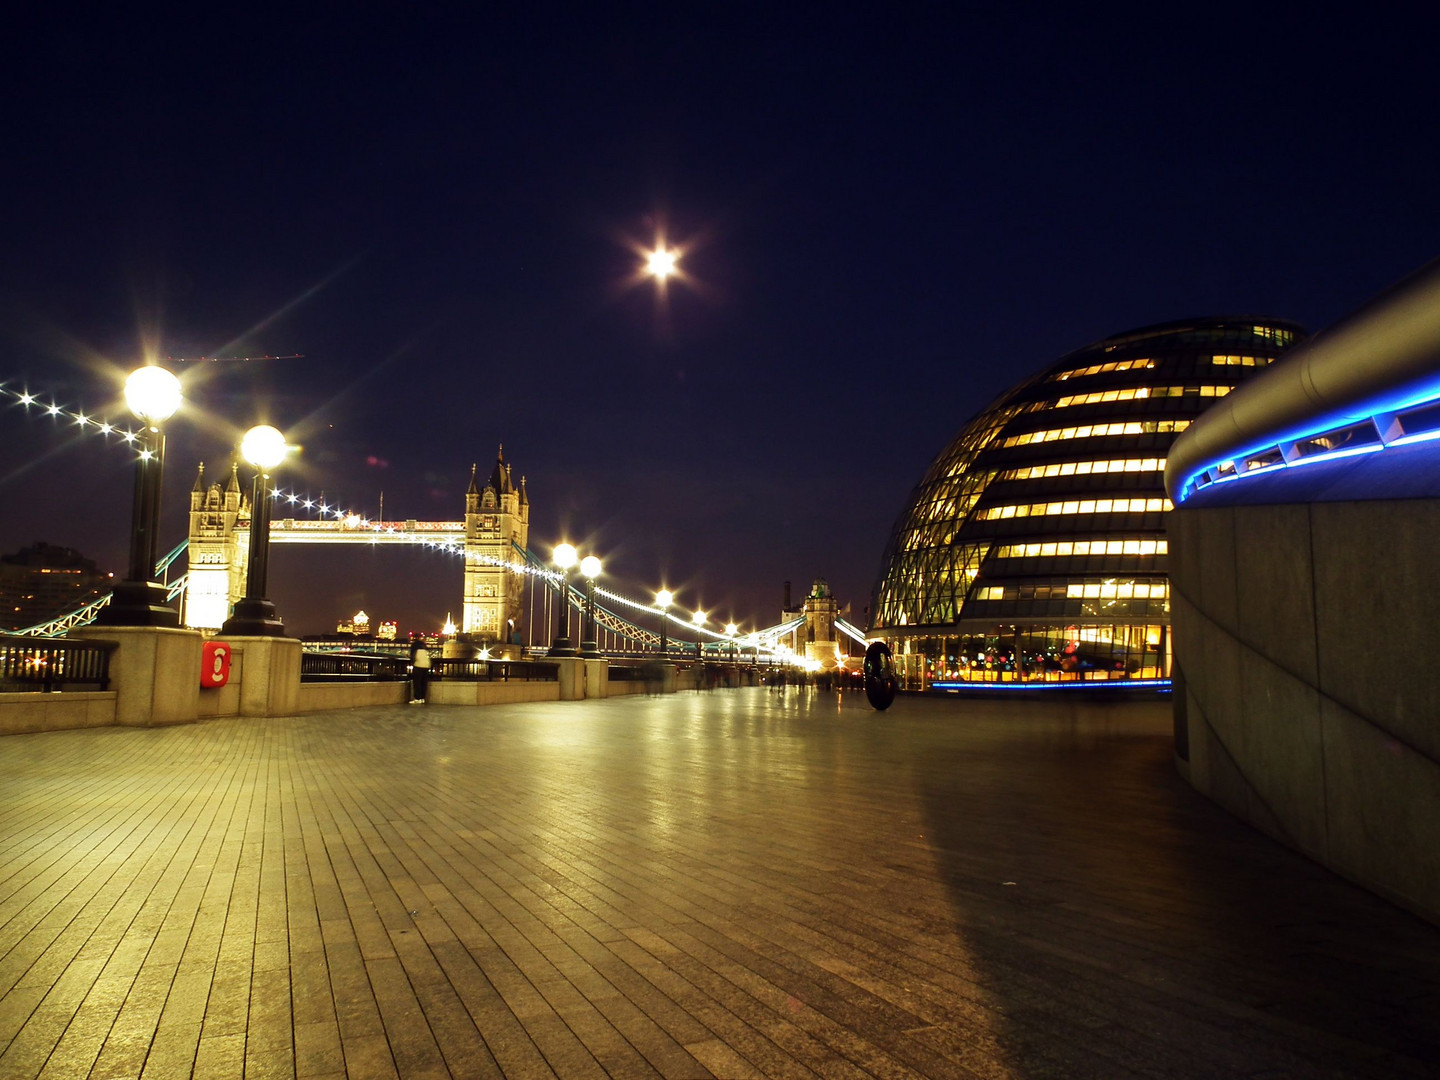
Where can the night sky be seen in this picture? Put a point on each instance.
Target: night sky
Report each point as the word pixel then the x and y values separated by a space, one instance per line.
pixel 885 220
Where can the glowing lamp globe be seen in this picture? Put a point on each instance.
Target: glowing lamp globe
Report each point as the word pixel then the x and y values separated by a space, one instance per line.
pixel 664 598
pixel 152 393
pixel 661 263
pixel 698 618
pixel 565 556
pixel 264 447
pixel 590 566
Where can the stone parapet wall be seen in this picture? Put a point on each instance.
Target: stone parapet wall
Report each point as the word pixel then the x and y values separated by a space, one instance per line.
pixel 1306 641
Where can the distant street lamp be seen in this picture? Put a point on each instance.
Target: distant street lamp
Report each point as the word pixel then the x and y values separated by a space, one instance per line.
pixel 730 630
pixel 590 570
pixel 153 395
pixel 663 599
pixel 263 447
pixel 660 263
pixel 564 558
pixel 698 618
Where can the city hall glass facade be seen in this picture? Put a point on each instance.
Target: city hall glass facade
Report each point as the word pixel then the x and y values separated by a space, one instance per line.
pixel 1034 547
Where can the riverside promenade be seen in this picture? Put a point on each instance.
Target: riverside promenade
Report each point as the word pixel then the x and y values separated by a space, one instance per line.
pixel 731 884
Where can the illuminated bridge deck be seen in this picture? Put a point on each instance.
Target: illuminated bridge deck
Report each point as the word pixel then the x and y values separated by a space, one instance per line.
pixel 728 884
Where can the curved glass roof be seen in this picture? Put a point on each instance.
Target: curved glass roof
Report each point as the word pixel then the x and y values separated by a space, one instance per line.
pixel 1049 505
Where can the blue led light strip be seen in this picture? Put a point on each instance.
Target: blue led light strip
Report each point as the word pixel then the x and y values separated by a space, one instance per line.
pixel 1417 422
pixel 1040 684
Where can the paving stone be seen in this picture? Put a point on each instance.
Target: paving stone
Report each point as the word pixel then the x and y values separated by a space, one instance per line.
pixel 730 884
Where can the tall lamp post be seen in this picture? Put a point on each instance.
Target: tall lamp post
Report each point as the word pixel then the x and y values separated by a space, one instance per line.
pixel 663 599
pixel 698 618
pixel 731 629
pixel 565 558
pixel 589 570
pixel 153 395
pixel 254 616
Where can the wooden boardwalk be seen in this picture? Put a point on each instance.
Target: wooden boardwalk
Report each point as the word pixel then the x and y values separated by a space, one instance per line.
pixel 730 884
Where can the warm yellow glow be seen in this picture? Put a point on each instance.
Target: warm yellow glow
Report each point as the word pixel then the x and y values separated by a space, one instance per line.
pixel 565 556
pixel 449 628
pixel 152 393
pixel 1083 468
pixel 207 597
pixel 698 618
pixel 1076 506
pixel 664 598
pixel 730 628
pixel 1087 431
pixel 590 566
pixel 264 447
pixel 661 263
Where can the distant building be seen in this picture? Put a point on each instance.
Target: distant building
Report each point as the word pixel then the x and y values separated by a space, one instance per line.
pixel 43 581
pixel 1034 546
pixel 358 624
pixel 386 631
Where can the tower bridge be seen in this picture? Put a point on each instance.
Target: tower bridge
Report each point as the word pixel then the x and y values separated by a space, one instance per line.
pixel 493 536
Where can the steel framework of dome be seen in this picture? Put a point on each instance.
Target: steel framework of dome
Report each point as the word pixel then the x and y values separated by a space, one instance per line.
pixel 1034 546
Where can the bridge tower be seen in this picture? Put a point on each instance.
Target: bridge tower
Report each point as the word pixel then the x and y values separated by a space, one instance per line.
pixel 497 519
pixel 218 552
pixel 815 638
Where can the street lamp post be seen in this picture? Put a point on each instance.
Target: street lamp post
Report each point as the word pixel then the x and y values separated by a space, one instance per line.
pixel 153 395
pixel 254 616
pixel 698 618
pixel 663 600
pixel 565 558
pixel 590 570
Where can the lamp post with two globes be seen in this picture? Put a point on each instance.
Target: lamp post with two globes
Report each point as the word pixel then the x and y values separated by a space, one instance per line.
pixel 152 394
pixel 590 570
pixel 565 558
pixel 254 616
pixel 663 599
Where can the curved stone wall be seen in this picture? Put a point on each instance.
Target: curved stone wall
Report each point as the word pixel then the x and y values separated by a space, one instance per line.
pixel 1307 642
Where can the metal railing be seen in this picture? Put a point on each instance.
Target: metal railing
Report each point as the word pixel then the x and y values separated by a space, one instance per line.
pixel 496 670
pixel 30 664
pixel 352 667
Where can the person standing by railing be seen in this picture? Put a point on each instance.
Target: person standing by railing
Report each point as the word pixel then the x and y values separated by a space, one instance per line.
pixel 419 673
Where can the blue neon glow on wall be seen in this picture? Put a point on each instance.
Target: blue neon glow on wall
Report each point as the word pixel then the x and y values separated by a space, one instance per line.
pixel 1387 418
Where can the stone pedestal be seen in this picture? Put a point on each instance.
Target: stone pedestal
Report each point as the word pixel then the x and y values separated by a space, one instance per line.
pixel 597 678
pixel 154 671
pixel 269 675
pixel 572 677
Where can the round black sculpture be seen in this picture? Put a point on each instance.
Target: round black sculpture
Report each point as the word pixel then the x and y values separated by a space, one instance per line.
pixel 880 683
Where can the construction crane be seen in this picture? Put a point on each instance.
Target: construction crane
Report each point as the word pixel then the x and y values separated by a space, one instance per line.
pixel 229 359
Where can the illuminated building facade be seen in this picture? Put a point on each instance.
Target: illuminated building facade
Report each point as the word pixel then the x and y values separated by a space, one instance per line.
pixel 219 550
pixel 497 527
pixel 42 581
pixel 1034 547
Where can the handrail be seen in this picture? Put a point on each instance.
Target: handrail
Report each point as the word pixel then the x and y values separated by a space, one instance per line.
pixel 30 664
pixel 348 666
pixel 1383 358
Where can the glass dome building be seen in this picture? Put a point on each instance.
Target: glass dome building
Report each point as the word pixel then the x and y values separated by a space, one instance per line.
pixel 1034 546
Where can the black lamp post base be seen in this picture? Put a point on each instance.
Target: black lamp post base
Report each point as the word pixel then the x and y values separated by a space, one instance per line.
pixel 138 603
pixel 562 647
pixel 589 650
pixel 254 618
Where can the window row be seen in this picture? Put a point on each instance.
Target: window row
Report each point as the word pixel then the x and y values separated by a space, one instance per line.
pixel 1242 361
pixel 1086 431
pixel 1096 369
pixel 1084 468
pixel 1089 590
pixel 1132 393
pixel 1074 506
pixel 1083 547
